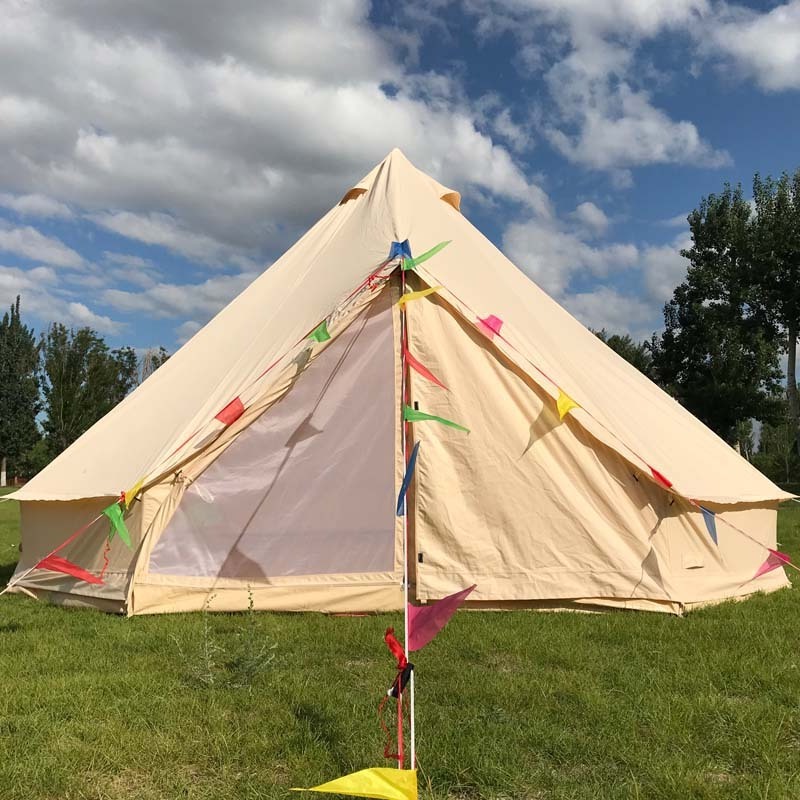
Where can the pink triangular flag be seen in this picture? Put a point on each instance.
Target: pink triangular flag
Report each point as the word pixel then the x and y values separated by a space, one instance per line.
pixel 774 560
pixel 424 622
pixel 490 325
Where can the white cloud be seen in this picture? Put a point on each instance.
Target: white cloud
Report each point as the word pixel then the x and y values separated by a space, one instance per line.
pixel 181 300
pixel 79 314
pixel 44 300
pixel 664 268
pixel 678 221
pixel 553 254
pixel 599 114
pixel 616 312
pixel 186 330
pixel 765 46
pixel 592 218
pixel 256 117
pixel 29 243
pixel 35 205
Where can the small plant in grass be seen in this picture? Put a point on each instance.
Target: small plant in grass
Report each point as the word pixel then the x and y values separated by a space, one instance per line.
pixel 234 664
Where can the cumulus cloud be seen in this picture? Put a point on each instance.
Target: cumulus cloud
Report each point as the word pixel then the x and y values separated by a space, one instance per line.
pixel 613 310
pixel 591 217
pixel 241 126
pixel 35 205
pixel 44 300
pixel 169 300
pixel 30 243
pixel 553 254
pixel 764 46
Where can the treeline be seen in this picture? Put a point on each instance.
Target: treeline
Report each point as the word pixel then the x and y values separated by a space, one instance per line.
pixel 732 322
pixel 54 388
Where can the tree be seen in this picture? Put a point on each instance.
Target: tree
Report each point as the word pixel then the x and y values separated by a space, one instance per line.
pixel 82 381
pixel 636 353
pixel 719 352
pixel 19 387
pixel 777 454
pixel 152 359
pixel 775 274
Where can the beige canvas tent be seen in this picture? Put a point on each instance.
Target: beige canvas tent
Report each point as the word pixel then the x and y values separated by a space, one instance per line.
pixel 266 455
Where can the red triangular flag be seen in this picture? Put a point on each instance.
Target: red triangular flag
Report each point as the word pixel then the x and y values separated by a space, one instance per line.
pixel 774 560
pixel 58 564
pixel 422 369
pixel 424 622
pixel 665 482
pixel 231 412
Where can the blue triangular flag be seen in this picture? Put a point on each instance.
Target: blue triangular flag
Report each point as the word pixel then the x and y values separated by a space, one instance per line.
pixel 401 498
pixel 400 250
pixel 711 523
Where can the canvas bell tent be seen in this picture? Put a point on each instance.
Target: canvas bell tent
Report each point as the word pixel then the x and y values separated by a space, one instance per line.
pixel 266 457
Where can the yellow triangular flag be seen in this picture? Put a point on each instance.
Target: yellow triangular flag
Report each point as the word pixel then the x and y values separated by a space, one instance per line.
pixel 130 495
pixel 565 404
pixel 383 783
pixel 416 295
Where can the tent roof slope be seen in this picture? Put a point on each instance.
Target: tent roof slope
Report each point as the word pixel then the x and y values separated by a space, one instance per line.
pixel 619 405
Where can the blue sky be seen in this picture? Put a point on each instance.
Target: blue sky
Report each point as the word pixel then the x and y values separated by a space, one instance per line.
pixel 154 157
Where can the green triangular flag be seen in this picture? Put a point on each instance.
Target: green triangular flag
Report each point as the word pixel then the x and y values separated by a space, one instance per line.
pixel 410 263
pixel 114 513
pixel 412 415
pixel 320 333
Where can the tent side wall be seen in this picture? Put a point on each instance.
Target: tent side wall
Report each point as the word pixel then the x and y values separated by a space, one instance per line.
pixel 533 509
pixel 44 525
pixel 293 505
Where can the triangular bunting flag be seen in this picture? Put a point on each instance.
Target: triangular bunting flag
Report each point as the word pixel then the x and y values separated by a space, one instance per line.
pixel 401 498
pixel 421 369
pixel 130 495
pixel 114 514
pixel 320 333
pixel 664 481
pixel 231 412
pixel 410 263
pixel 58 564
pixel 774 560
pixel 400 250
pixel 424 622
pixel 383 783
pixel 490 325
pixel 407 298
pixel 412 415
pixel 711 523
pixel 565 404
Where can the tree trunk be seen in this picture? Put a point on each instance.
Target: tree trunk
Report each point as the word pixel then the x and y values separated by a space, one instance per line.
pixel 3 471
pixel 791 383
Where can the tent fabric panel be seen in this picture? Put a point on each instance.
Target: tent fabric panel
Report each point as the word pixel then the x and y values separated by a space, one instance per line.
pixel 45 525
pixel 329 598
pixel 531 507
pixel 309 487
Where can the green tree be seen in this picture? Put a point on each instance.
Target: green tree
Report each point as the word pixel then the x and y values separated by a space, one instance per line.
pixel 719 352
pixel 636 353
pixel 19 387
pixel 82 381
pixel 775 273
pixel 777 454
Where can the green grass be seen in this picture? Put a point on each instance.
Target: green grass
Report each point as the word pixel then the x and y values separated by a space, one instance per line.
pixel 510 705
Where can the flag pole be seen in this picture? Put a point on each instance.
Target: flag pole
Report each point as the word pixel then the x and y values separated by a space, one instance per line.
pixel 403 402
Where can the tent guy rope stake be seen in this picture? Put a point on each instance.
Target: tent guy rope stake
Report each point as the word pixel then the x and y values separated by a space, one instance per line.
pixel 404 396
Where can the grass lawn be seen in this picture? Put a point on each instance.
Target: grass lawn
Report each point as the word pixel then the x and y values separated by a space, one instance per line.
pixel 510 705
